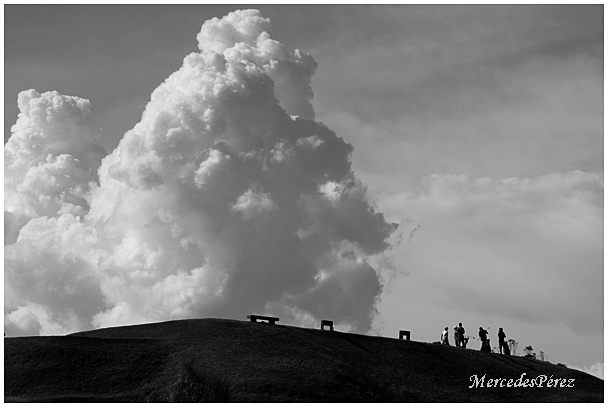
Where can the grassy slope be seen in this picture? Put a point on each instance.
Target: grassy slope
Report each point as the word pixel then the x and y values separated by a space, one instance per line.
pixel 219 360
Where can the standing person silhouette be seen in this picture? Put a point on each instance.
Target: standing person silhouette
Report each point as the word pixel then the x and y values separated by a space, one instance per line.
pixel 503 347
pixel 461 331
pixel 483 334
pixel 444 337
pixel 456 334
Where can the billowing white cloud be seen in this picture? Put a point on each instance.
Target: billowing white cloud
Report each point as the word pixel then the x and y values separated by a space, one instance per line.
pixel 252 203
pixel 242 35
pixel 51 159
pixel 50 276
pixel 525 248
pixel 212 205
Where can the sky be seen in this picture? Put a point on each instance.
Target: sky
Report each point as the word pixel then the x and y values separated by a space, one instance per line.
pixel 446 166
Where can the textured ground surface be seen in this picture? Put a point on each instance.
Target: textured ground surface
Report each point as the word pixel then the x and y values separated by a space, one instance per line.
pixel 238 361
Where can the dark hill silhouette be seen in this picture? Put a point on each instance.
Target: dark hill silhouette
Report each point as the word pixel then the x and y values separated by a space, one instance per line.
pixel 219 360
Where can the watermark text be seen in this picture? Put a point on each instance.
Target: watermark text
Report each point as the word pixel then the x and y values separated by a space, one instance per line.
pixel 539 381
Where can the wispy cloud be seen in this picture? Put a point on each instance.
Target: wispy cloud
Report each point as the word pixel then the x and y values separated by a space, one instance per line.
pixel 525 247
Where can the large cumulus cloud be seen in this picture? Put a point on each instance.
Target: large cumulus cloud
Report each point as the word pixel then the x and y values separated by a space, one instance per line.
pixel 226 198
pixel 51 159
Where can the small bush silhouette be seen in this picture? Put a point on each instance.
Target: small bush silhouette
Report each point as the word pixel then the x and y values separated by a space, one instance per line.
pixel 529 352
pixel 190 387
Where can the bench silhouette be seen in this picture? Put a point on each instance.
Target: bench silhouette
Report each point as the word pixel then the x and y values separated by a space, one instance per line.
pixel 405 333
pixel 328 323
pixel 255 318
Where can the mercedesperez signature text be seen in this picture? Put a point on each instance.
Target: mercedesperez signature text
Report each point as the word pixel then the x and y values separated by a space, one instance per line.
pixel 539 381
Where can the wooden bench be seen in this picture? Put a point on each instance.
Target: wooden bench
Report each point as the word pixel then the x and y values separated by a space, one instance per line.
pixel 269 319
pixel 405 333
pixel 328 323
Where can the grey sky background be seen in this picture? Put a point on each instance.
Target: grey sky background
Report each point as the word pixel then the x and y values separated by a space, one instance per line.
pixel 479 128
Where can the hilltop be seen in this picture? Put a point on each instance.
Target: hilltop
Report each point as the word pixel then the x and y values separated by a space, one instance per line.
pixel 217 360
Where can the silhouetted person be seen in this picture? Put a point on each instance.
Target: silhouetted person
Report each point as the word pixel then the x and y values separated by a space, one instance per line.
pixel 486 344
pixel 456 334
pixel 461 331
pixel 465 340
pixel 483 334
pixel 444 337
pixel 503 347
